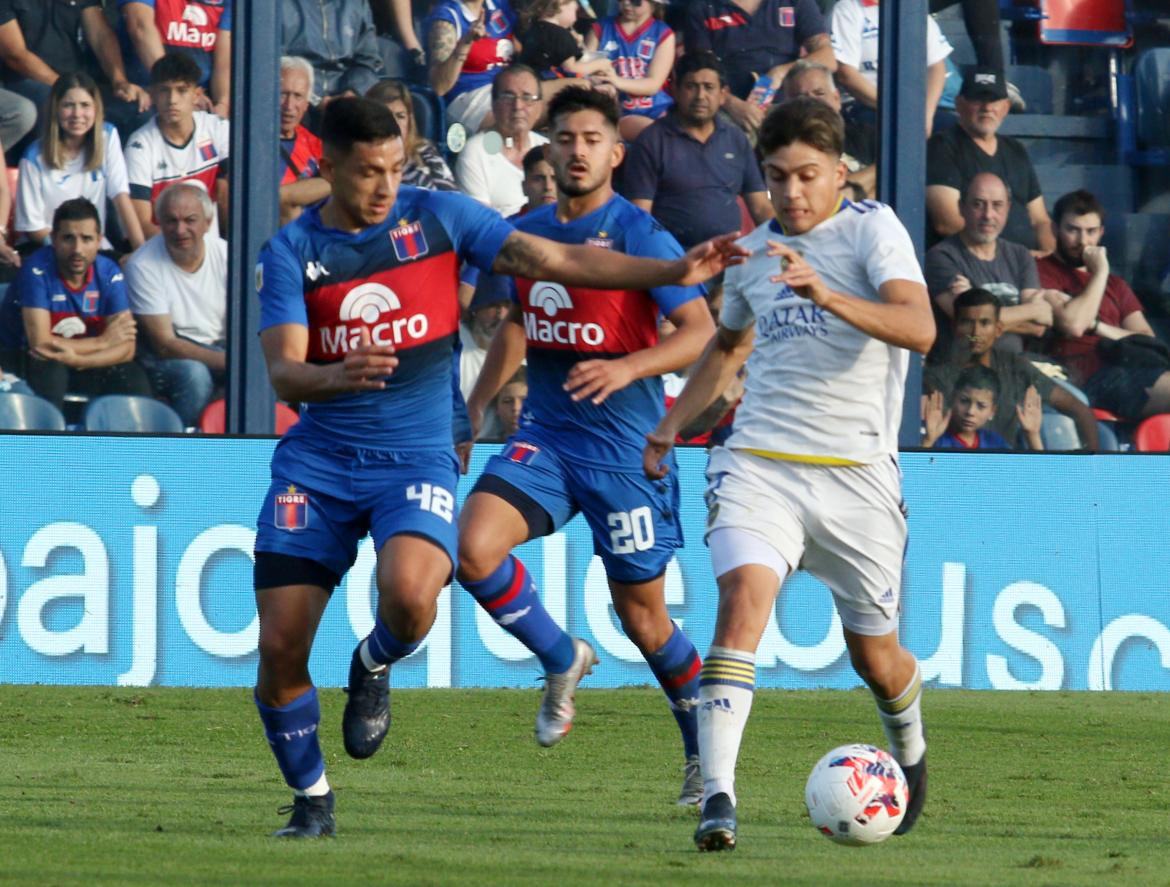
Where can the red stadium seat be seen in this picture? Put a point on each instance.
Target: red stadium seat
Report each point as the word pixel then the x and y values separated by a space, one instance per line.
pixel 1153 434
pixel 1105 415
pixel 213 419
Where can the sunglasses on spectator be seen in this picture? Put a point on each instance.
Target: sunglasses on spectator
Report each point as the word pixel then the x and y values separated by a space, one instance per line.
pixel 511 98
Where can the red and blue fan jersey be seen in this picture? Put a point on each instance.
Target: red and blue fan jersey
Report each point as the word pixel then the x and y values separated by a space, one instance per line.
pixel 398 281
pixel 487 54
pixel 631 55
pixel 73 313
pixel 566 325
pixel 189 26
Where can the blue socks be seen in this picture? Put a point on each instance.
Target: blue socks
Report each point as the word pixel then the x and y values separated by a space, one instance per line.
pixel 510 597
pixel 381 647
pixel 676 665
pixel 292 732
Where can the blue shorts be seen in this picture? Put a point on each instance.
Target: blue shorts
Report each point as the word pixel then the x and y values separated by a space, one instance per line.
pixel 635 522
pixel 324 498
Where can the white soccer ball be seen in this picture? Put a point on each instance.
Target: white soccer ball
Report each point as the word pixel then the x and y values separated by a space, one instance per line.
pixel 856 794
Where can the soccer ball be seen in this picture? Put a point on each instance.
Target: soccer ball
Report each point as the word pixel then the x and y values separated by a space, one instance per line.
pixel 856 794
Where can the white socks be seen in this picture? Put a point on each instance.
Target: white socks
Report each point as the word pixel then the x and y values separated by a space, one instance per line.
pixel 726 686
pixel 902 721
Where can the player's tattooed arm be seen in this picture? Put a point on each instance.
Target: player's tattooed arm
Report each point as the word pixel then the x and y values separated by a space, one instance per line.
pixel 523 256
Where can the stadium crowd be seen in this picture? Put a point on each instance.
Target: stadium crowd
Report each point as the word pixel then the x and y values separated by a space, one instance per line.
pixel 114 119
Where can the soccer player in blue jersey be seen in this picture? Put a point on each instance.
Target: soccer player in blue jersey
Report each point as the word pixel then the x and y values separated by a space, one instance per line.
pixel 358 316
pixel 594 391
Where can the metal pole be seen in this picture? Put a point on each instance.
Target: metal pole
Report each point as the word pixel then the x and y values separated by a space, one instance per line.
pixel 902 149
pixel 253 208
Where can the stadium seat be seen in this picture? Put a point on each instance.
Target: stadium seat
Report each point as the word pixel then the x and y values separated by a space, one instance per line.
pixel 124 412
pixel 27 412
pixel 1107 441
pixel 1085 23
pixel 213 419
pixel 430 115
pixel 1105 415
pixel 1151 74
pixel 1059 432
pixel 1073 390
pixel 1112 184
pixel 1034 84
pixel 1137 249
pixel 1153 434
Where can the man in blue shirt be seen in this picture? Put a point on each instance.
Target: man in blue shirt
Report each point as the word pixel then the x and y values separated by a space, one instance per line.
pixel 359 315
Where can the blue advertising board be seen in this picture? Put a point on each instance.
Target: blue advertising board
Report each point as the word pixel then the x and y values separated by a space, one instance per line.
pixel 127 561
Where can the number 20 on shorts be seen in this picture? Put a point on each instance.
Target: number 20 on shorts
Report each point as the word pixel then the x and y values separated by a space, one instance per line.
pixel 631 531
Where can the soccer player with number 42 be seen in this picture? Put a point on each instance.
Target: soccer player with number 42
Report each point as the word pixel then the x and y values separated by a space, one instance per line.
pixel 809 477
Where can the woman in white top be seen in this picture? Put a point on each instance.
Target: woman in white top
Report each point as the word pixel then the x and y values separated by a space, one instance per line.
pixel 77 155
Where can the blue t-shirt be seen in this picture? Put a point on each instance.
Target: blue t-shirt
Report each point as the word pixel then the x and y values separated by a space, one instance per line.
pixel 566 325
pixel 73 313
pixel 631 55
pixel 398 280
pixel 986 439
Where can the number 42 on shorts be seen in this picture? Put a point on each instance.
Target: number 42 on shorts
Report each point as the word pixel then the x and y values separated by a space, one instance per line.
pixel 433 499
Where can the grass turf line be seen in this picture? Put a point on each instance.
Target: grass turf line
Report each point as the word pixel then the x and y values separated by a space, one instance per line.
pixel 113 786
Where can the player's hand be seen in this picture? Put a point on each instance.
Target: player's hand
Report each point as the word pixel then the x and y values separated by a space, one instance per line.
pixel 1031 411
pixel 1096 259
pixel 799 274
pixel 366 367
pixel 654 454
pixel 597 379
pixel 705 260
pixel 463 452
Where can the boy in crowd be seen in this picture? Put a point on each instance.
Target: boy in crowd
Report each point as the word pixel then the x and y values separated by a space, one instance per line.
pixel 963 427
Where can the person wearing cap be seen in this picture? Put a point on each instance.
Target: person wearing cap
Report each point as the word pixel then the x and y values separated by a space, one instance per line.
pixel 956 155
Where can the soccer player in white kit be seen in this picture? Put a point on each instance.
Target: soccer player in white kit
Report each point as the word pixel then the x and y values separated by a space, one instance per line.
pixel 824 312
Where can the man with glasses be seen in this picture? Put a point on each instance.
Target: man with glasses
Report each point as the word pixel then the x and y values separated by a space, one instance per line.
pixel 491 166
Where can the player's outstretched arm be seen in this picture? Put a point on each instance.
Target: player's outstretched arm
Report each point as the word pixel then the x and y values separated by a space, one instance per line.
pixel 527 255
pixel 286 348
pixel 902 317
pixel 721 360
pixel 504 356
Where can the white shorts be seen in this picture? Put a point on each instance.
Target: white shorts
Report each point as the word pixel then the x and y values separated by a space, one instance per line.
pixel 470 108
pixel 846 525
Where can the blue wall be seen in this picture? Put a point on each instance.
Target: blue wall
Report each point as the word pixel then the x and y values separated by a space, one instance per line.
pixel 127 561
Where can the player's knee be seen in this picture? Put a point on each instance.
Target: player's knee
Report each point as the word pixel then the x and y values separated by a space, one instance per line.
pixel 479 556
pixel 282 652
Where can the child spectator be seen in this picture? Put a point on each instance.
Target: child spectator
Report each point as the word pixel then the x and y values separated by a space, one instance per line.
pixel 972 406
pixel 551 46
pixel 425 166
pixel 509 405
pixel 77 155
pixel 641 48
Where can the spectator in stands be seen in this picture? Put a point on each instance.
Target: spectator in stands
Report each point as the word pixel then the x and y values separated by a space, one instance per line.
pixel 66 323
pixel 178 292
pixel 757 37
pixel 178 144
pixel 977 326
pixel 689 168
pixel 199 29
pixel 400 13
pixel 972 405
pixel 854 29
pixel 490 167
pixel 40 40
pixel 425 166
pixel 337 38
pixel 1102 308
pixel 468 43
pixel 489 307
pixel 641 48
pixel 540 179
pixel 551 46
pixel 814 80
pixel 978 256
pixel 77 155
pixel 300 182
pixel 955 155
pixel 508 405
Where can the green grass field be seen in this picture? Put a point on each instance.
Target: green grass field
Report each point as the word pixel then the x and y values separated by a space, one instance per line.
pixel 157 786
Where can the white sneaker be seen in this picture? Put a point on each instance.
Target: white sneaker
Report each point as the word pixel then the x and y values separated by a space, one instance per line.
pixel 692 787
pixel 555 717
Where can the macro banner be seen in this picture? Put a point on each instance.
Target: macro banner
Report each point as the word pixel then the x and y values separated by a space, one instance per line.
pixel 127 561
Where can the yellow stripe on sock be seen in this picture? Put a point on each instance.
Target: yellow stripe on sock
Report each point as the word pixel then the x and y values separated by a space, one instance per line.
pixel 908 698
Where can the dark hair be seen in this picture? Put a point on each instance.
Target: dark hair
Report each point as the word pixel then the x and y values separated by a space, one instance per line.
pixel 535 10
pixel 349 120
pixel 975 297
pixel 175 67
pixel 582 98
pixel 699 60
pixel 1078 203
pixel 512 70
pixel 978 377
pixel 76 210
pixel 806 120
pixel 534 156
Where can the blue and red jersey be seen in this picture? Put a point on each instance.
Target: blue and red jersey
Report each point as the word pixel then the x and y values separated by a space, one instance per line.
pixel 487 54
pixel 73 313
pixel 566 325
pixel 631 55
pixel 190 26
pixel 300 154
pixel 397 280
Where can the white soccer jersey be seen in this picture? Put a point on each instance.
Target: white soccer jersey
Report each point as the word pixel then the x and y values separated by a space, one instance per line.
pixel 41 189
pixel 153 163
pixel 819 389
pixel 854 33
